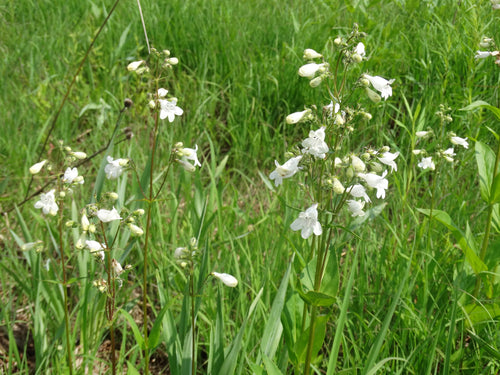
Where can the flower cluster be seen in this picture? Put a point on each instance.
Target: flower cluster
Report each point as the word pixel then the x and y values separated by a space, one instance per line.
pixel 427 160
pixel 489 43
pixel 349 178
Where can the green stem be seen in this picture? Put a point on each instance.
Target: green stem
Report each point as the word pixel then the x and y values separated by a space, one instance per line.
pixel 65 291
pixel 193 321
pixel 312 327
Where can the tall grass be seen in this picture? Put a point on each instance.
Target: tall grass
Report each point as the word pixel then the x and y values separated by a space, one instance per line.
pixel 237 79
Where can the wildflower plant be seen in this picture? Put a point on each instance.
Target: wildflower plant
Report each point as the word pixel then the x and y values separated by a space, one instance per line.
pixel 338 183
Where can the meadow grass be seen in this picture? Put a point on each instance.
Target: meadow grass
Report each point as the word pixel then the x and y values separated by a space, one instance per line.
pixel 406 310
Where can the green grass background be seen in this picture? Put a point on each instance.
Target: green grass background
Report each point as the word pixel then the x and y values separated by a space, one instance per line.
pixel 237 81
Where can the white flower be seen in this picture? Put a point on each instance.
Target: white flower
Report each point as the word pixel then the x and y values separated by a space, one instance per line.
pixel 460 142
pixel 388 158
pixel 186 165
pixel 85 223
pixel 359 53
pixel 427 163
pixel 117 267
pixel 71 175
pixel 169 109
pixel 286 170
pixel 226 278
pixel 358 191
pixel 381 84
pixel 422 134
pixel 48 203
pixel 190 154
pixel 162 92
pixel 356 207
pixel 482 54
pixel 96 247
pixel 377 182
pixel 448 154
pixel 308 223
pixel 310 70
pixel 114 168
pixel 297 117
pixel 315 144
pixel 106 215
pixel 36 168
pixel 310 54
pixel 133 66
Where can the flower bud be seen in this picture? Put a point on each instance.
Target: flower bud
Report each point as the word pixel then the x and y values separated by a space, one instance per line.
pixel 79 155
pixel 372 95
pixel 135 230
pixel 113 196
pixel 133 66
pixel 338 188
pixel 422 134
pixel 357 164
pixel 315 82
pixel 226 278
pixel 376 167
pixel 172 61
pixel 139 212
pixel 310 54
pixel 337 41
pixel 36 168
pixel 297 117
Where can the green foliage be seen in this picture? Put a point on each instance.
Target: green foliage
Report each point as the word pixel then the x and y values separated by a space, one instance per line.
pixel 397 291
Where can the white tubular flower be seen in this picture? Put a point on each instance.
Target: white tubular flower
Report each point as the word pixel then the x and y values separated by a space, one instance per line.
pixel 422 134
pixel 448 154
pixel 227 279
pixel 172 61
pixel 310 70
pixel 388 158
pixel 71 175
pixel 135 230
pixel 358 191
pixel 357 164
pixel 482 55
pixel 310 54
pixel 308 223
pixel 380 84
pixel 133 66
pixel 108 215
pixel 162 92
pixel 297 117
pixel 96 248
pixel 186 165
pixel 460 142
pixel 117 267
pixel 169 109
pixel 286 170
pixel 315 144
pixel 85 223
pixel 359 53
pixel 190 154
pixel 377 182
pixel 356 207
pixel 48 203
pixel 114 168
pixel 427 163
pixel 36 168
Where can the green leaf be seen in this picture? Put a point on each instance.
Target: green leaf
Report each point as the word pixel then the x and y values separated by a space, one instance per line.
pixel 465 241
pixel 476 314
pixel 327 292
pixel 135 329
pixel 131 370
pixel 274 328
pixel 154 335
pixel 319 337
pixel 271 367
pixel 495 190
pixel 485 158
